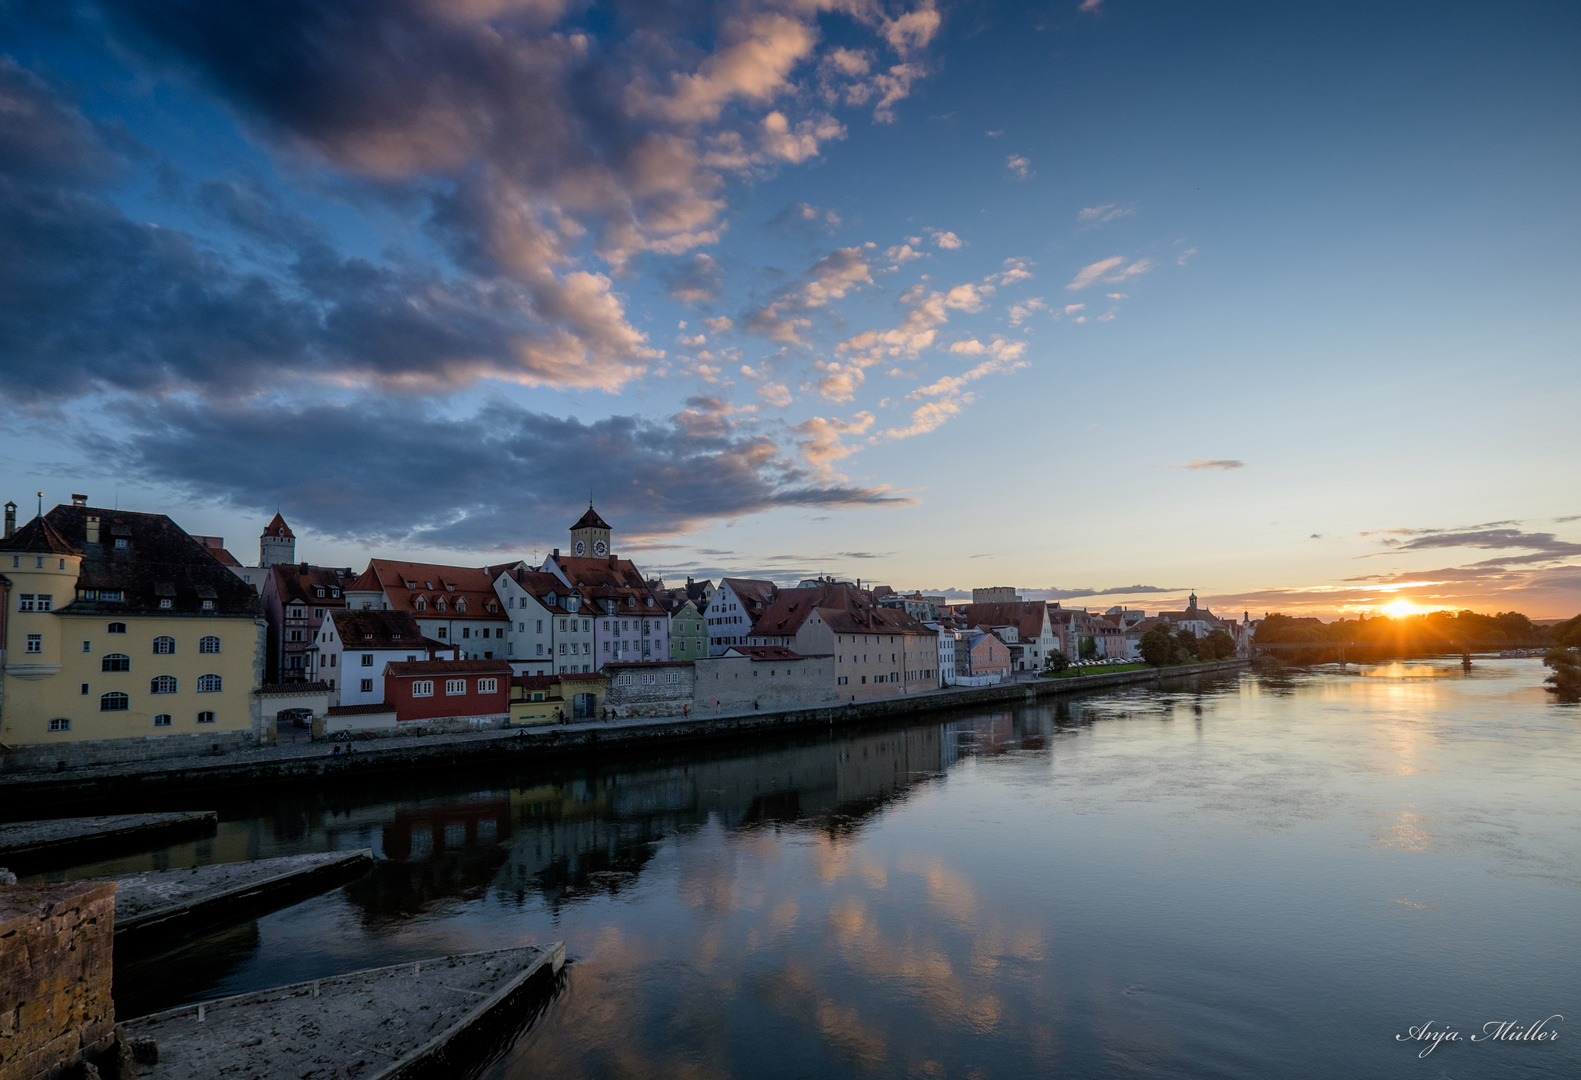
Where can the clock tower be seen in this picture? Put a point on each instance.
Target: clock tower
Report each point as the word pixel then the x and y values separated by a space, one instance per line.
pixel 590 535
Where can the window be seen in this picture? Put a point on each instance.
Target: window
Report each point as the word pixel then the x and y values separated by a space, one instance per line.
pixel 540 626
pixel 205 718
pixel 162 720
pixel 164 605
pixel 45 602
pixel 164 646
pixel 423 688
pixel 84 689
pixel 334 657
pixel 209 644
pixel 24 601
pixel 122 543
pixel 488 686
pixel 116 662
pixel 442 632
pixel 114 701
pixel 208 684
pixel 649 678
pixel 318 612
pixel 208 605
pixel 298 613
pixel 440 603
pixel 367 686
pixel 367 659
pixel 87 646
pixel 60 723
pixel 562 624
pixel 111 594
pixel 841 680
pixel 540 648
pixel 162 684
pixel 35 643
pixel 466 631
pixel 455 686
pixel 318 591
pixel 562 646
pixel 461 606
pixel 115 628
pixel 672 678
pixel 421 605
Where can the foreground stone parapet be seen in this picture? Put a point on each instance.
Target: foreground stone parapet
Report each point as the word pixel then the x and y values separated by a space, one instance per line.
pixel 56 965
pixel 62 841
pixel 380 1024
pixel 174 900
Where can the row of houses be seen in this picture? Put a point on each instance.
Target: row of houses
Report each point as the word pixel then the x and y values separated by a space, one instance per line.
pixel 119 624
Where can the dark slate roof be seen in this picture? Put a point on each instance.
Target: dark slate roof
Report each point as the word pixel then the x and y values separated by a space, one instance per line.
pixel 159 561
pixel 295 583
pixel 38 537
pixel 371 628
pixel 590 520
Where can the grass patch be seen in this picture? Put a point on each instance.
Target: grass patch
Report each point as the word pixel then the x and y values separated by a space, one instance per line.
pixel 1106 669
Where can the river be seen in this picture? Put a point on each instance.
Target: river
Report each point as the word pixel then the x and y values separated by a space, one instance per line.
pixel 1252 877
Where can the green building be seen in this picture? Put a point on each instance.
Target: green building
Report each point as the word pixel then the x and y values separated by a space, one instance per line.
pixel 688 630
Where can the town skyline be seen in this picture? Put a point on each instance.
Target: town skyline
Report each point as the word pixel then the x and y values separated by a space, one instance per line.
pixel 1104 301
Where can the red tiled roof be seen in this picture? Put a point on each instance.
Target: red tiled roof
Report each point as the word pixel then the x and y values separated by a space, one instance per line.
pixel 1027 616
pixel 278 527
pixel 765 652
pixel 432 582
pixel 447 667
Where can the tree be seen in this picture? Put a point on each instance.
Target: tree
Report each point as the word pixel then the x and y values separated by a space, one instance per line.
pixel 1187 642
pixel 1159 647
pixel 1056 662
pixel 1218 645
pixel 1566 678
pixel 1088 648
pixel 1568 633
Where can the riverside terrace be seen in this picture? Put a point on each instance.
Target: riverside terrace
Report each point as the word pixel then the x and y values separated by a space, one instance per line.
pixel 314 763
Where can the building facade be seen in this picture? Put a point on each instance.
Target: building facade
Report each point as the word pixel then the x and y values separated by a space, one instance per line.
pixel 737 605
pixel 296 599
pixel 351 648
pixel 120 625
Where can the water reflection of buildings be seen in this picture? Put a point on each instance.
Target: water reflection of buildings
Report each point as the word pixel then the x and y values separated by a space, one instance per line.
pixel 593 833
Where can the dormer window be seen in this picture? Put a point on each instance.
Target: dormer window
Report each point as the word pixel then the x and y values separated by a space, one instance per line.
pixel 411 584
pixel 421 605
pixel 461 606
pixel 440 603
pixel 318 592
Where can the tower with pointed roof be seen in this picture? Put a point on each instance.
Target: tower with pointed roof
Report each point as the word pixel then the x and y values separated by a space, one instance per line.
pixel 277 545
pixel 590 535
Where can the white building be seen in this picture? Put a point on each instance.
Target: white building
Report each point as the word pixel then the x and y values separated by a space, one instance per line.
pixel 735 609
pixel 350 649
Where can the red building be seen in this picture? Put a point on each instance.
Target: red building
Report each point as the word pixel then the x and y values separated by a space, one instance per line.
pixel 448 689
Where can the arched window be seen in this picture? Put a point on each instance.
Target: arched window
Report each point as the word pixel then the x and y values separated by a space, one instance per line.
pixel 114 701
pixel 162 720
pixel 116 662
pixel 210 644
pixel 115 628
pixel 205 718
pixel 164 646
pixel 208 684
pixel 162 684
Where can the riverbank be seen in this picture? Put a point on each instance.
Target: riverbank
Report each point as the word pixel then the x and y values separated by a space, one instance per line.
pixel 316 763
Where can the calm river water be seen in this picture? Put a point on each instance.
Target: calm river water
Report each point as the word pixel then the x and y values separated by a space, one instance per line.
pixel 1254 877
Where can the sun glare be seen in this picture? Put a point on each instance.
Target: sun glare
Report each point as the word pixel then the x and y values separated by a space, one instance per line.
pixel 1400 608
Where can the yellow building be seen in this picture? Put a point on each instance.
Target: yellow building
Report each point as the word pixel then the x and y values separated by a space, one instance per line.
pixel 119 626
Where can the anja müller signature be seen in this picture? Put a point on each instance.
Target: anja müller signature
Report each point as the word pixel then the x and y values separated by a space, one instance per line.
pixel 1513 1031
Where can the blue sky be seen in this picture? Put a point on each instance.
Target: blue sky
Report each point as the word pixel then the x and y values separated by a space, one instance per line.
pixel 1275 302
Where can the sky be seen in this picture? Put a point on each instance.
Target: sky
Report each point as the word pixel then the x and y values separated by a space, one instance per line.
pixel 1107 300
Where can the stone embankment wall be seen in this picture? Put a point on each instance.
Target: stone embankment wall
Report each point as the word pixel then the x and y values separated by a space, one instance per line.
pixel 56 951
pixel 531 744
pixel 45 756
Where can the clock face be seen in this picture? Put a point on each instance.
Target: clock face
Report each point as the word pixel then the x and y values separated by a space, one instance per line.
pixel 581 547
pixel 600 548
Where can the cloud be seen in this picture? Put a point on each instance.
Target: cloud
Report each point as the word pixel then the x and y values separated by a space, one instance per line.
pixel 946 240
pixel 1101 271
pixel 1055 592
pixel 1199 464
pixel 1019 167
pixel 994 134
pixel 902 253
pixel 777 395
pixel 821 441
pixel 1541 545
pixel 1089 5
pixel 1020 313
pixel 516 147
pixel 1180 260
pixel 1100 215
pixel 929 417
pixel 1015 271
pixel 696 281
pixel 719 324
pixel 830 278
pixel 650 476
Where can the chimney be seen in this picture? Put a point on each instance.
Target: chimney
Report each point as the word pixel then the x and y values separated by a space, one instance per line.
pixel 557 553
pixel 93 529
pixel 79 500
pixel 10 520
pixel 612 561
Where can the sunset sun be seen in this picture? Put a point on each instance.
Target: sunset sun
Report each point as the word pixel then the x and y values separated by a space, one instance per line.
pixel 1400 608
